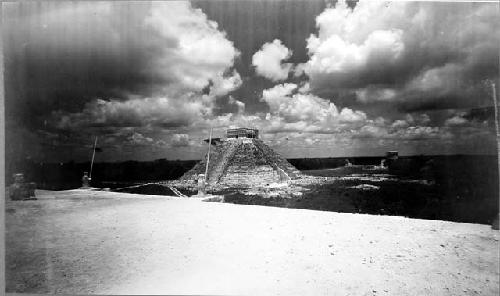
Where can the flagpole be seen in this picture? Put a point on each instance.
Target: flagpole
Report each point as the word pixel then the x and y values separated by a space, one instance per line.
pixel 494 224
pixel 93 155
pixel 495 104
pixel 208 155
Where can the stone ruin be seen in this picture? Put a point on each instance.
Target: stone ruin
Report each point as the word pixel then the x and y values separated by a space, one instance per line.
pixel 85 180
pixel 242 160
pixel 21 190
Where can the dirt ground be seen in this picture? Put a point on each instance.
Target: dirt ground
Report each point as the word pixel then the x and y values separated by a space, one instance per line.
pixel 83 242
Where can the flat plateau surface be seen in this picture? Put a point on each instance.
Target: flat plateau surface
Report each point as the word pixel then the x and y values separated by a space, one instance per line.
pixel 95 242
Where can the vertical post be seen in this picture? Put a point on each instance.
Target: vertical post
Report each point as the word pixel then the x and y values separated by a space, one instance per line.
pixel 495 104
pixel 494 225
pixel 93 155
pixel 208 154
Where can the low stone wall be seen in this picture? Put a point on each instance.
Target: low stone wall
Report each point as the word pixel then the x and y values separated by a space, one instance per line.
pixel 240 175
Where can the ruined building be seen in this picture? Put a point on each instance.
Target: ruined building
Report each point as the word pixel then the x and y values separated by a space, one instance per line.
pixel 242 159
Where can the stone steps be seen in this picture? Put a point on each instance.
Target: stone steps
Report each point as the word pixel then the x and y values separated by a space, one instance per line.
pixel 227 152
pixel 243 162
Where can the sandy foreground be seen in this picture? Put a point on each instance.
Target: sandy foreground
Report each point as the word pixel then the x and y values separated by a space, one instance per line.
pixel 83 242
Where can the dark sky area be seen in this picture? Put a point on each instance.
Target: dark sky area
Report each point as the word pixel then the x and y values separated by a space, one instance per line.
pixel 150 79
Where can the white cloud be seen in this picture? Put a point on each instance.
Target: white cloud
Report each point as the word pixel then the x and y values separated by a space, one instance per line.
pixel 305 88
pixel 423 132
pixel 139 139
pixel 164 112
pixel 411 120
pixel 349 116
pixel 399 124
pixel 456 120
pixel 400 130
pixel 293 110
pixel 352 41
pixel 373 94
pixel 268 61
pixel 183 59
pixel 225 84
pixel 415 52
pixel 421 119
pixel 283 100
pixel 155 48
pixel 335 55
pixel 180 140
pixel 239 104
pixel 278 95
pixel 440 79
pixel 195 53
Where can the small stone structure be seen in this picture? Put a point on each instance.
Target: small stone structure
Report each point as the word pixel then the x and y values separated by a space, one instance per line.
pixel 85 180
pixel 21 190
pixel 242 133
pixel 494 224
pixel 201 184
pixel 242 159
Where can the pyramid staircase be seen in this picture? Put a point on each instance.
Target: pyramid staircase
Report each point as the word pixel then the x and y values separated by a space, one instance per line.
pixel 243 162
pixel 220 165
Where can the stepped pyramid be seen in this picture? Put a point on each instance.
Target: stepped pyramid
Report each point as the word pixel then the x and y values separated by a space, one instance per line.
pixel 242 159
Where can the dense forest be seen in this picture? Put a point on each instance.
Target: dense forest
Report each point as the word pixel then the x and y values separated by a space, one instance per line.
pixel 60 176
pixel 477 170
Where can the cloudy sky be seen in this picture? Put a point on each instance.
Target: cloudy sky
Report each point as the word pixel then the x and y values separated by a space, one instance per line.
pixel 317 79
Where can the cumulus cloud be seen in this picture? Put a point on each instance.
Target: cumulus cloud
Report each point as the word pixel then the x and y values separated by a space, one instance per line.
pixel 302 115
pixel 199 53
pixel 294 107
pixel 301 110
pixel 416 55
pixel 376 94
pixel 239 104
pixel 163 112
pixel 268 61
pixel 180 140
pixel 399 124
pixel 225 84
pixel 349 116
pixel 458 120
pixel 138 139
pixel 150 74
pixel 113 50
pixel 411 120
pixel 400 130
pixel 335 55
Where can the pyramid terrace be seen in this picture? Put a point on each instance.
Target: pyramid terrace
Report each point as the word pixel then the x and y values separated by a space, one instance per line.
pixel 242 159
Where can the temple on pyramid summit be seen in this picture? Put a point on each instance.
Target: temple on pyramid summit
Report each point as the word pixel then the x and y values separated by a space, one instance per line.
pixel 242 159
